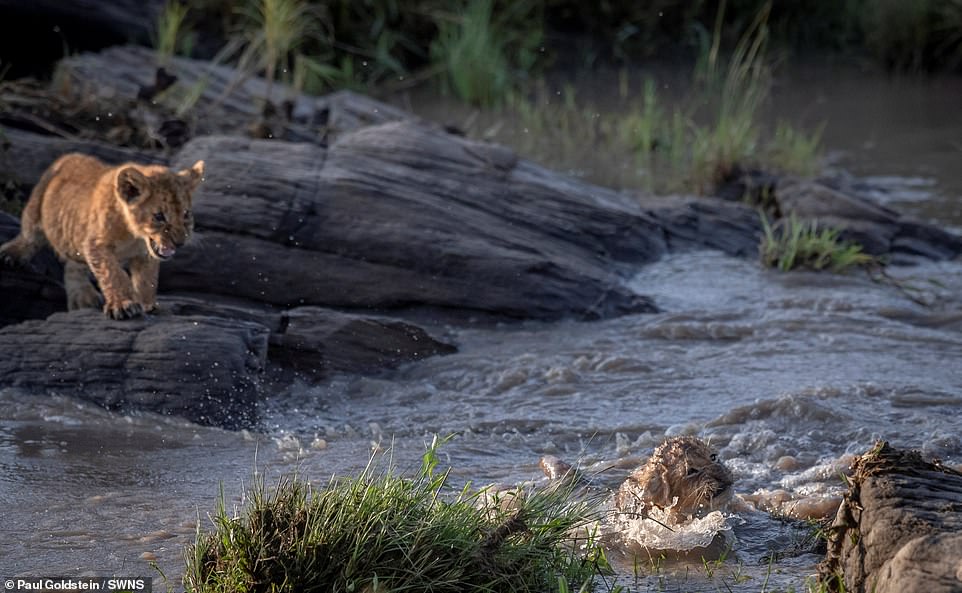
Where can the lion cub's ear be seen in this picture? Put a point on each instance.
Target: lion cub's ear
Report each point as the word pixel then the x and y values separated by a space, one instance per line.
pixel 131 184
pixel 194 175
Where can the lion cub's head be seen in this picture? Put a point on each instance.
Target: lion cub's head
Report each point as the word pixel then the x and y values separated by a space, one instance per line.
pixel 157 205
pixel 683 474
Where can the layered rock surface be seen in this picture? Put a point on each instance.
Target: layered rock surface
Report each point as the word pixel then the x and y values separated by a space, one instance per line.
pixel 899 528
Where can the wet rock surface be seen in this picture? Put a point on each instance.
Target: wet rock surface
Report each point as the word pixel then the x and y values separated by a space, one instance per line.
pixel 203 368
pixel 899 528
pixel 315 342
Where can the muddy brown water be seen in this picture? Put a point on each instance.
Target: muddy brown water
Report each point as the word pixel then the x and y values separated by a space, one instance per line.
pixel 788 375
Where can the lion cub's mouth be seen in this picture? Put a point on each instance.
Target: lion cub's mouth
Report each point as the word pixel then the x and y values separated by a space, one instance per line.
pixel 721 496
pixel 159 251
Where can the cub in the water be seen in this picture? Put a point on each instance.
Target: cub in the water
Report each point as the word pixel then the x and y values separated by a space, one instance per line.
pixel 683 476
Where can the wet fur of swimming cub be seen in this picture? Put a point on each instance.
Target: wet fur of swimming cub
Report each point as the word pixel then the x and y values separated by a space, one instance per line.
pixel 684 476
pixel 104 218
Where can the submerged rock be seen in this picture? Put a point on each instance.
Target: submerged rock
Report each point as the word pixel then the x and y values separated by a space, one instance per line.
pixel 899 528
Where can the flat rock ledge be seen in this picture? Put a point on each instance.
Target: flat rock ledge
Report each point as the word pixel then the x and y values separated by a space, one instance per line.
pixel 203 368
pixel 211 363
pixel 899 528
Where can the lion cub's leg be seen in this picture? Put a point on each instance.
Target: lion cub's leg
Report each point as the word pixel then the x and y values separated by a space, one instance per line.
pixel 114 282
pixel 20 249
pixel 143 273
pixel 81 293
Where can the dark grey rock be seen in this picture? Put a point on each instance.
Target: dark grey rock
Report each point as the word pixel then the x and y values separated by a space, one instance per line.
pixel 230 101
pixel 399 215
pixel 879 230
pixel 315 342
pixel 29 292
pixel 206 369
pixel 707 223
pixel 29 154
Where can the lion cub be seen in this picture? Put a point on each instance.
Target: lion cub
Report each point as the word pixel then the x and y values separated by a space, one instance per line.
pixel 683 476
pixel 103 217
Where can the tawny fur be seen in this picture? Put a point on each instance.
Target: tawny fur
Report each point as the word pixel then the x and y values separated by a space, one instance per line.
pixel 104 218
pixel 683 474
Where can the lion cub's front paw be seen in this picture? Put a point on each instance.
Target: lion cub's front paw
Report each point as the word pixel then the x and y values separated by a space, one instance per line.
pixel 124 310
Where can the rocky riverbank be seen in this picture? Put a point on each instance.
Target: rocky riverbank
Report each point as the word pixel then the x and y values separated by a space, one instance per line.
pixel 899 529
pixel 325 229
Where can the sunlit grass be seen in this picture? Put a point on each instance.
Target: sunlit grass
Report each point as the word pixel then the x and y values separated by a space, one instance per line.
pixel 480 53
pixel 643 127
pixel 792 244
pixel 794 151
pixel 381 531
pixel 691 145
pixel 272 33
pixel 471 53
pixel 169 36
pixel 730 137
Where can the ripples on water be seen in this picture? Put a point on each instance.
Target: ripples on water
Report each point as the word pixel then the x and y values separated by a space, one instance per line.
pixel 787 375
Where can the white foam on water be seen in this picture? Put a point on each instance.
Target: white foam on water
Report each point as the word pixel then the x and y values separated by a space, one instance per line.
pixel 658 531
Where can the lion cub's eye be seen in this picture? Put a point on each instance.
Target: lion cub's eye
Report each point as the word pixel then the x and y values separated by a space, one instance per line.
pixel 714 457
pixel 159 217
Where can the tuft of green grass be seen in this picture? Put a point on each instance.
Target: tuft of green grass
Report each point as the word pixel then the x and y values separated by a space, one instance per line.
pixel 381 531
pixel 730 138
pixel 273 32
pixel 791 244
pixel 716 132
pixel 479 53
pixel 643 127
pixel 169 37
pixel 471 53
pixel 672 145
pixel 794 151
